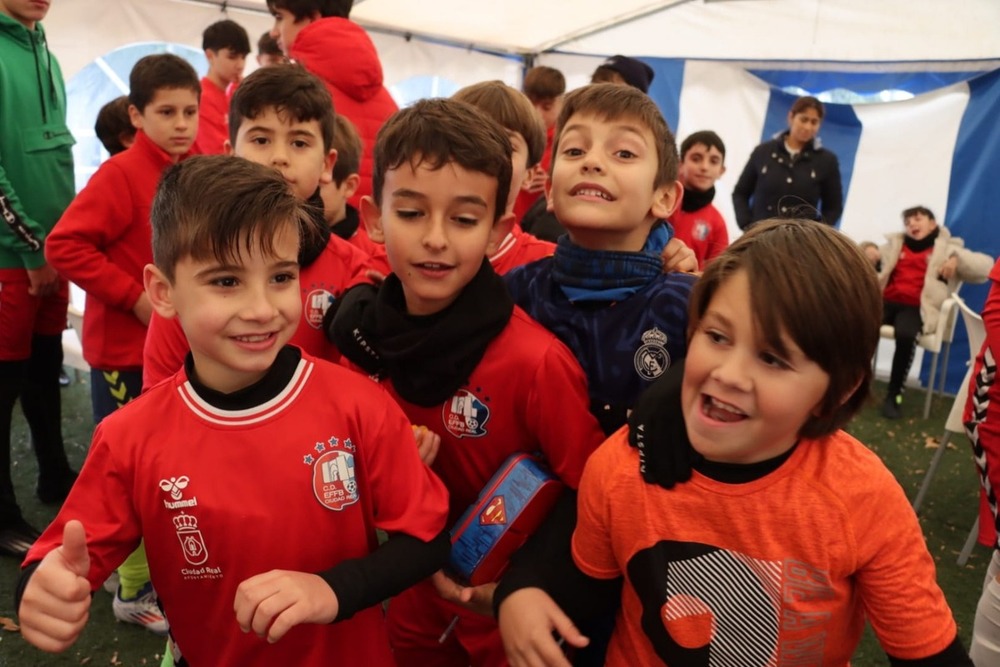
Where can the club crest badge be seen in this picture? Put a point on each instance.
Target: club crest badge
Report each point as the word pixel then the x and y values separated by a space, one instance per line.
pixel 316 303
pixel 192 543
pixel 333 479
pixel 465 416
pixel 652 358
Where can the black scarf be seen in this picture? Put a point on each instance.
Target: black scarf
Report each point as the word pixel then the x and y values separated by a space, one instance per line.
pixel 315 233
pixel 345 228
pixel 914 245
pixel 427 358
pixel 697 199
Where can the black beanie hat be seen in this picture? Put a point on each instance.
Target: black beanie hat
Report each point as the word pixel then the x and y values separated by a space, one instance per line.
pixel 635 72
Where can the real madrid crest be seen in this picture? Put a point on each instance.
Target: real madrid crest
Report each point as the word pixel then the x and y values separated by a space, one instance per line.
pixel 652 359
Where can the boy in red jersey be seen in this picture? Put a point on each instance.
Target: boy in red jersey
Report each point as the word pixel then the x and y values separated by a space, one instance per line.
pixel 919 268
pixel 444 336
pixel 788 533
pixel 696 221
pixel 544 87
pixel 226 46
pixel 253 467
pixel 101 243
pixel 514 113
pixel 281 116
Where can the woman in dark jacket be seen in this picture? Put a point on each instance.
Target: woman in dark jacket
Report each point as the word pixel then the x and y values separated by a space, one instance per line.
pixel 791 175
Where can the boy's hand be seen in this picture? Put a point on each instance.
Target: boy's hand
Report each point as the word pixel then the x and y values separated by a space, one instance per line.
pixel 536 180
pixel 428 444
pixel 873 255
pixel 273 603
pixel 474 598
pixel 677 257
pixel 42 281
pixel 143 309
pixel 56 602
pixel 527 619
pixel 949 268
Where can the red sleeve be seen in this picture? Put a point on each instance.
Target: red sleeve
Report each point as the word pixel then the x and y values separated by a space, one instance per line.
pixel 164 351
pixel 355 262
pixel 99 500
pixel 558 413
pixel 718 239
pixel 98 216
pixel 408 497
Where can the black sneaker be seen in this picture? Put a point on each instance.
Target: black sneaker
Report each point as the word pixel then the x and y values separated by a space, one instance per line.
pixel 17 537
pixel 890 409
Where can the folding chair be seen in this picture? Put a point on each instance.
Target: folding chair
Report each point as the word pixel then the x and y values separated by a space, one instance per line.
pixel 954 425
pixel 936 342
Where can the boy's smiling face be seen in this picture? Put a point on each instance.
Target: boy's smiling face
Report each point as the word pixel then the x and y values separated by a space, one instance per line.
pixel 919 226
pixel 295 148
pixel 170 119
pixel 236 315
pixel 744 402
pixel 437 226
pixel 601 188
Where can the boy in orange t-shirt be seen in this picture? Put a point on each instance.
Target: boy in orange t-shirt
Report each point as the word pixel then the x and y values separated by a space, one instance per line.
pixel 788 533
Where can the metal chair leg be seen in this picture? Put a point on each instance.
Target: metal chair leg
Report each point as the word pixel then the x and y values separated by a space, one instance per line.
pixel 931 470
pixel 970 542
pixel 946 347
pixel 930 385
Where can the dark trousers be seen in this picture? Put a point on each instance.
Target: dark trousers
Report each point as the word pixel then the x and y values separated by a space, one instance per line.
pixel 908 325
pixel 110 390
pixel 36 382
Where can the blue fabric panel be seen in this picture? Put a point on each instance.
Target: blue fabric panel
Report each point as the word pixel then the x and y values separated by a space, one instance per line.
pixel 972 201
pixel 668 78
pixel 864 83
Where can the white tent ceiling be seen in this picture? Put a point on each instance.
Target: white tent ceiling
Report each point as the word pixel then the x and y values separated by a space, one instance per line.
pixel 815 30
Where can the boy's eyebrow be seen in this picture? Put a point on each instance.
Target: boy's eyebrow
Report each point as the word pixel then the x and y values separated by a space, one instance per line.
pixel 234 268
pixel 632 129
pixel 406 193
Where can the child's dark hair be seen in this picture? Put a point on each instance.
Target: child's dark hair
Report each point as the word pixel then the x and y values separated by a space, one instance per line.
pixel 435 132
pixel 813 284
pixel 268 46
pixel 219 207
pixel 226 34
pixel 288 89
pixel 511 109
pixel 610 102
pixel 349 149
pixel 918 210
pixel 543 83
pixel 160 71
pixel 706 138
pixel 805 103
pixel 113 123
pixel 301 9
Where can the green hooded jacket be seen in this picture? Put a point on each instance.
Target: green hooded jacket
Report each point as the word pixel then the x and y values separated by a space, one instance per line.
pixel 36 158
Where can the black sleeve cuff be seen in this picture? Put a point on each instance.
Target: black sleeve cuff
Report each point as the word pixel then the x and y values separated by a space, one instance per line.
pixel 953 656
pixel 398 563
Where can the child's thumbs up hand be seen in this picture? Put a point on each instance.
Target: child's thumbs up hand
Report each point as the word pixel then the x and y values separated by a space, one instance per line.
pixel 56 601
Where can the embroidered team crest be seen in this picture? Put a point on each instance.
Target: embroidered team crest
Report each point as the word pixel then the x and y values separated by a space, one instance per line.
pixel 333 479
pixel 192 543
pixel 652 359
pixel 700 230
pixel 465 416
pixel 495 513
pixel 317 302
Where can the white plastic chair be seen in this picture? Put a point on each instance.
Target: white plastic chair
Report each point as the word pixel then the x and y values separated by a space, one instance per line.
pixel 954 425
pixel 936 342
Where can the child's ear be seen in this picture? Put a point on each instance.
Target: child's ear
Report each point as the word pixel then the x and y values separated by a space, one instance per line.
pixel 159 291
pixel 722 171
pixel 548 195
pixel 135 116
pixel 328 162
pixel 351 185
pixel 665 200
pixel 371 215
pixel 501 228
pixel 227 148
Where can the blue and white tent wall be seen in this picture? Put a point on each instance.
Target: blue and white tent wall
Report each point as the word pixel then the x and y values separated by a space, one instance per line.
pixel 940 149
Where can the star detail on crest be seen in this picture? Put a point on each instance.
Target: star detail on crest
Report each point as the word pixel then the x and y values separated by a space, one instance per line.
pixel 308 459
pixel 333 442
pixel 348 445
pixel 320 447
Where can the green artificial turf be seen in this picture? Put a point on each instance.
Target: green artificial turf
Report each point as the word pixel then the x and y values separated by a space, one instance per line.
pixel 946 517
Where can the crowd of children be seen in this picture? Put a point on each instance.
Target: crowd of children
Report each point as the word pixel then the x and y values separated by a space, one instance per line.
pixel 317 329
